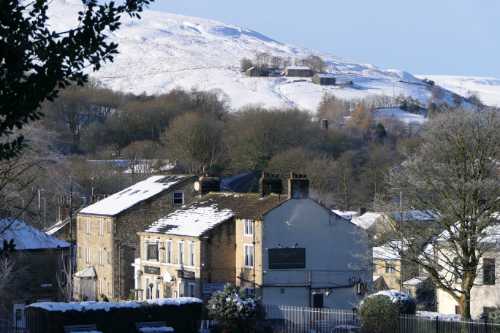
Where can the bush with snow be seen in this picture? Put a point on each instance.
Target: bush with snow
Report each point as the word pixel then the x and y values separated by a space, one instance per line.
pixel 405 303
pixel 378 314
pixel 233 312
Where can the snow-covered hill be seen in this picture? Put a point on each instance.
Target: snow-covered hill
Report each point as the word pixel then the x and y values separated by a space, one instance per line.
pixel 164 51
pixel 486 88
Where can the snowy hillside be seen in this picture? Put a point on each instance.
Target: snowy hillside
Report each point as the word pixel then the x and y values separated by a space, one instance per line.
pixel 164 51
pixel 486 88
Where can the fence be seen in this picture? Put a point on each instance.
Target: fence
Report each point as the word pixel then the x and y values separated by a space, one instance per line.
pixel 415 324
pixel 7 327
pixel 292 319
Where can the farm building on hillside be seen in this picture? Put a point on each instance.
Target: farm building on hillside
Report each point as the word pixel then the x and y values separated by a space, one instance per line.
pixel 298 71
pixel 324 79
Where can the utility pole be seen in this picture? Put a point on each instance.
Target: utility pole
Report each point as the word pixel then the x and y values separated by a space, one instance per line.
pixel 71 239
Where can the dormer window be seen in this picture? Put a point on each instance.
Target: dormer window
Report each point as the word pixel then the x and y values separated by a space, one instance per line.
pixel 178 198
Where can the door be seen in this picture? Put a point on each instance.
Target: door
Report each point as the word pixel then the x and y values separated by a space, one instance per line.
pixel 318 300
pixel 19 316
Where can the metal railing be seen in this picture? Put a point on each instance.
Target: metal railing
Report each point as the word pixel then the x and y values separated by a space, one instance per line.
pixel 293 319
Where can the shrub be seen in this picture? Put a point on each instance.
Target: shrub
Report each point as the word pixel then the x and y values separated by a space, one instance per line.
pixel 406 304
pixel 379 315
pixel 233 312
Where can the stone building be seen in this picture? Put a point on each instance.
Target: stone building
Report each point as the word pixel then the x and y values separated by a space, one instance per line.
pixel 324 79
pixel 285 249
pixel 191 252
pixel 107 230
pixel 298 71
pixel 301 253
pixel 39 262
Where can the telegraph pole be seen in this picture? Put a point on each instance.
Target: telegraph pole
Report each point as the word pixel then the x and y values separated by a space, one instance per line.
pixel 71 239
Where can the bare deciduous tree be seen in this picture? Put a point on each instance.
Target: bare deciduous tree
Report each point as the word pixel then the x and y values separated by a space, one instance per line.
pixel 454 175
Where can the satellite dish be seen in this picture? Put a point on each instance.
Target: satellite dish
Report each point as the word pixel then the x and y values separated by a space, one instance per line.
pixel 167 277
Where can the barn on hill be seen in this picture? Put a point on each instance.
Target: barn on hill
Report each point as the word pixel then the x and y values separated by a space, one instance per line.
pixel 324 79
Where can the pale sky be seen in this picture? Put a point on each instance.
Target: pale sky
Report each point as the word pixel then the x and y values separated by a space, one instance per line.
pixel 456 37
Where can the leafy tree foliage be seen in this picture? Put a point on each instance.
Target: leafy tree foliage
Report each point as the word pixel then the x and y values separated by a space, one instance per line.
pixel 233 312
pixel 36 61
pixel 379 315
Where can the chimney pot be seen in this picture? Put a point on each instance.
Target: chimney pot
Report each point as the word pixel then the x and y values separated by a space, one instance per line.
pixel 298 186
pixel 270 183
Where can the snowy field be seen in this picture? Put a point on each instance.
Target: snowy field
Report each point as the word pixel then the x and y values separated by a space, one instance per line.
pixel 486 88
pixel 164 51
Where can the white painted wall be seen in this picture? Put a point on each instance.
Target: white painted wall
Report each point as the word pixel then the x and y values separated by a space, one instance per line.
pixel 481 295
pixel 336 250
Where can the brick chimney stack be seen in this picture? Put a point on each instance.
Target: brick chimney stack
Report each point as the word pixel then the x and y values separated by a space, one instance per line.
pixel 298 186
pixel 270 183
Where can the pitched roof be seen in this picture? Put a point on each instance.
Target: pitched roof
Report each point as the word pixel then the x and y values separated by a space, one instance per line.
pixel 366 220
pixel 200 216
pixel 302 68
pixel 247 205
pixel 133 195
pixel 388 251
pixel 27 237
pixel 192 220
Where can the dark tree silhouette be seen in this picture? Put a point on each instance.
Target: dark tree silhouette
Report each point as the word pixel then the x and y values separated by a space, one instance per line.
pixel 37 62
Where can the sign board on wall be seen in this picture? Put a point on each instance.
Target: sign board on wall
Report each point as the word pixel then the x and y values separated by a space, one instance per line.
pixel 152 270
pixel 287 258
pixel 189 275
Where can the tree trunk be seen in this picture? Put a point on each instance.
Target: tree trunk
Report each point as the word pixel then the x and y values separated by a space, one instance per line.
pixel 464 305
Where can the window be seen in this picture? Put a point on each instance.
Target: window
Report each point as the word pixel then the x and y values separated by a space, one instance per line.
pixel 248 255
pixel 87 227
pixel 248 228
pixel 101 227
pixel 87 255
pixel 101 259
pixel 108 227
pixel 178 198
pixel 168 254
pixel 191 287
pixel 152 251
pixel 250 292
pixel 181 253
pixel 390 267
pixel 191 253
pixel 489 271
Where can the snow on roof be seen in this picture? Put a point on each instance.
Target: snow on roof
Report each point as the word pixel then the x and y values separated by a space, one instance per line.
pixel 56 227
pixel 326 75
pixel 366 220
pixel 415 215
pixel 415 281
pixel 302 68
pixel 88 272
pixel 161 329
pixel 107 306
pixel 388 251
pixel 27 237
pixel 349 215
pixel 192 220
pixel 131 196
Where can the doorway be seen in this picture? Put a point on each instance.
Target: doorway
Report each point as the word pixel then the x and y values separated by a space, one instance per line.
pixel 318 300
